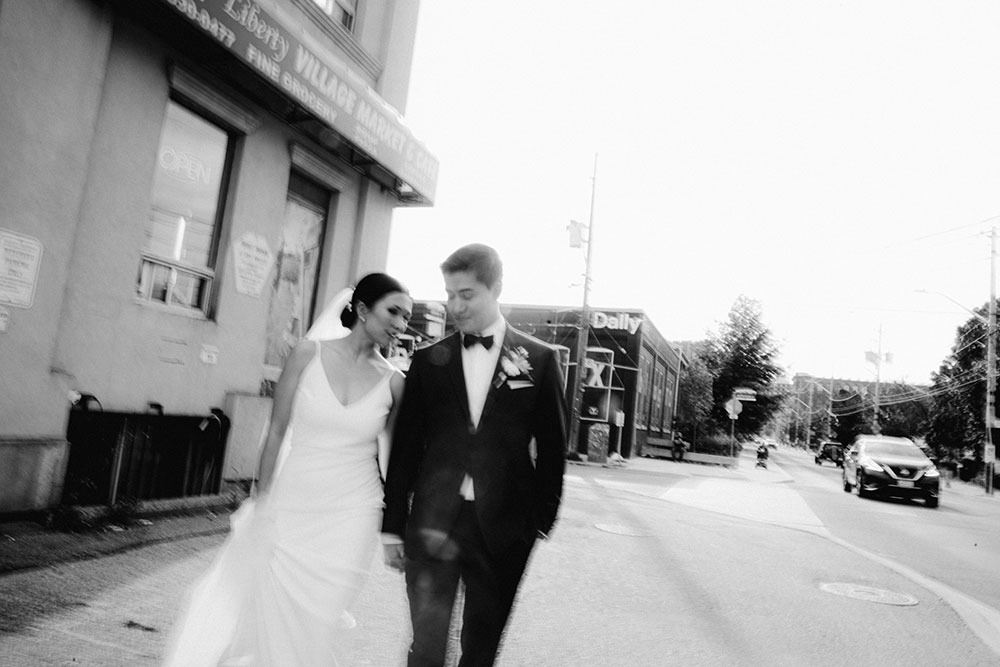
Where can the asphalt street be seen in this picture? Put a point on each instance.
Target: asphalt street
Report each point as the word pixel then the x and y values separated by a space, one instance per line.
pixel 655 563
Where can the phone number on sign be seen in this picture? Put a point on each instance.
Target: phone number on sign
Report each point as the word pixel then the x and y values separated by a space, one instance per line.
pixel 201 16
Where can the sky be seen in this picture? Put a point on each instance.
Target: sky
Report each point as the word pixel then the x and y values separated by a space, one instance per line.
pixel 827 159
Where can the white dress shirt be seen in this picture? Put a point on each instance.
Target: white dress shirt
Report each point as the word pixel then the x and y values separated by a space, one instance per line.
pixel 478 365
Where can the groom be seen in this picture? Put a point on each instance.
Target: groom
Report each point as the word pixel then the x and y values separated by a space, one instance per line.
pixel 466 498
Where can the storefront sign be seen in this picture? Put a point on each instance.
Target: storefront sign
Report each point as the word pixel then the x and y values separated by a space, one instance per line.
pixel 621 321
pixel 318 80
pixel 20 257
pixel 252 259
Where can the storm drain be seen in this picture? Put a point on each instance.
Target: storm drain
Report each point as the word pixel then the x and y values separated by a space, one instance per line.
pixel 619 529
pixel 869 594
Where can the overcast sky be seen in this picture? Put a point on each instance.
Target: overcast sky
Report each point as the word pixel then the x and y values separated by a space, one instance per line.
pixel 824 158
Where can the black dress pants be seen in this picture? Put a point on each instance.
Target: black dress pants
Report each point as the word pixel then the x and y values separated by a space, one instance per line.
pixel 433 571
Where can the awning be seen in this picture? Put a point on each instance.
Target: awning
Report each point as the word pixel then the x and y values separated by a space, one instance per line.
pixel 303 69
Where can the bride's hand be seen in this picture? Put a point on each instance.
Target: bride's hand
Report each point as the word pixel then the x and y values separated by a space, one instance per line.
pixel 395 557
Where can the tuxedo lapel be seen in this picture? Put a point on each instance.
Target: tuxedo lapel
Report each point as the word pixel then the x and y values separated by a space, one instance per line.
pixel 457 375
pixel 509 342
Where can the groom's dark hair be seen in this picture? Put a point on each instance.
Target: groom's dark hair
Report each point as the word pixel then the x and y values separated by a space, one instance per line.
pixel 481 260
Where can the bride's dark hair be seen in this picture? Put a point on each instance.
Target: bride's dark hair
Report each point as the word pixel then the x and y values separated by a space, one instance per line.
pixel 368 291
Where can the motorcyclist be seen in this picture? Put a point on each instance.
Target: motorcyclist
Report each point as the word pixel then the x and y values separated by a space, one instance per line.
pixel 762 454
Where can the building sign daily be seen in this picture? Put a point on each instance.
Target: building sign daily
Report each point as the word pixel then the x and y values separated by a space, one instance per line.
pixel 319 81
pixel 20 257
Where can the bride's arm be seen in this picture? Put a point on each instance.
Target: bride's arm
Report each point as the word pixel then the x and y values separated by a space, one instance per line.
pixel 396 383
pixel 281 411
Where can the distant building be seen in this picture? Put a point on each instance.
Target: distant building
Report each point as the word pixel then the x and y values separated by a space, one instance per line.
pixel 184 185
pixel 631 372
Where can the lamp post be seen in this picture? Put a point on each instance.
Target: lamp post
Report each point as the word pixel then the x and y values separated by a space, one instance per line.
pixel 584 333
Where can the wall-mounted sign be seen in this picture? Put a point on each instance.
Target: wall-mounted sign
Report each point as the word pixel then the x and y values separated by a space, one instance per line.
pixel 252 261
pixel 20 257
pixel 304 70
pixel 619 321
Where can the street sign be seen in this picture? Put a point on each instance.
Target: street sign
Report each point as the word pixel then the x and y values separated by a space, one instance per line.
pixel 989 453
pixel 734 407
pixel 744 394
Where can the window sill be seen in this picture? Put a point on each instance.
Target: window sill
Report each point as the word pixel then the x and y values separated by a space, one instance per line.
pixel 172 310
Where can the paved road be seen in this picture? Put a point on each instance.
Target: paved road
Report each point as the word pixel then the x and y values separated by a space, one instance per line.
pixel 654 564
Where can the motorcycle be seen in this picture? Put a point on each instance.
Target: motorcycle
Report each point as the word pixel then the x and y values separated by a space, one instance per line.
pixel 762 458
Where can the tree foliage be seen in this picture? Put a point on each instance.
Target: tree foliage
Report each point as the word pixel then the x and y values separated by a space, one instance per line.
pixel 959 391
pixel 694 402
pixel 743 354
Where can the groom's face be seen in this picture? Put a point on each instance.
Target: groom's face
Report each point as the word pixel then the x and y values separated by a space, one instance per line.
pixel 471 304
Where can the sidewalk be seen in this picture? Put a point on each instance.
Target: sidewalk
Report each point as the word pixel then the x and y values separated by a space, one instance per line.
pixel 26 545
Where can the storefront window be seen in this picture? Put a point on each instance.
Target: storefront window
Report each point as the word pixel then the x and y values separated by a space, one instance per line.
pixel 642 389
pixel 181 232
pixel 293 293
pixel 656 411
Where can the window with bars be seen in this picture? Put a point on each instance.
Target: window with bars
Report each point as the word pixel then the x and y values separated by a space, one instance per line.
pixel 182 229
pixel 341 11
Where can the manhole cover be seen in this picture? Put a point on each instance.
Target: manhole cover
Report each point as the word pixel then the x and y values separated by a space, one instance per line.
pixel 869 594
pixel 619 529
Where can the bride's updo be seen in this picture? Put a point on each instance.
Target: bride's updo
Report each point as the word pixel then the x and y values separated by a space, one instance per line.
pixel 368 291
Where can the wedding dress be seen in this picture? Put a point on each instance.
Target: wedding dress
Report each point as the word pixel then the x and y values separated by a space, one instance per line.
pixel 279 592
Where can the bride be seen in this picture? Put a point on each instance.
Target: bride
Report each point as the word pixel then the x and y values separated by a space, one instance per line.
pixel 279 591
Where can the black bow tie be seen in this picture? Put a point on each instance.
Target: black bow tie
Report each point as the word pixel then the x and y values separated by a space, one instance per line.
pixel 468 340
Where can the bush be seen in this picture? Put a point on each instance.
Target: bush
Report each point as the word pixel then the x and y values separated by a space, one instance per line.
pixel 716 444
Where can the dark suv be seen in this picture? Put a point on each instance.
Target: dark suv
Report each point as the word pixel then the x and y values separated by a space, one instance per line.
pixel 830 451
pixel 883 465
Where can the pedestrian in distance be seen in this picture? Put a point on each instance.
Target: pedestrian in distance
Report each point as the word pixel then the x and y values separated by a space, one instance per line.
pixel 279 593
pixel 679 448
pixel 466 496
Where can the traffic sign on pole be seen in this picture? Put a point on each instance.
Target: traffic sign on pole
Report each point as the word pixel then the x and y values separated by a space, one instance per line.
pixel 744 394
pixel 733 407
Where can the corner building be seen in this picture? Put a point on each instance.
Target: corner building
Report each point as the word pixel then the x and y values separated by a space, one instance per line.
pixel 629 381
pixel 185 183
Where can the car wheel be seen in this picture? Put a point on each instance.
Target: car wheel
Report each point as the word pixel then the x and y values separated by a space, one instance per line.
pixel 847 485
pixel 861 487
pixel 818 462
pixel 931 502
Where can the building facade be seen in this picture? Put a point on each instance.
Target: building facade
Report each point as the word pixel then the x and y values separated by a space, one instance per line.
pixel 184 184
pixel 630 375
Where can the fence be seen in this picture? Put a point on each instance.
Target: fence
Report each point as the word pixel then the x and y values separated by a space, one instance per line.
pixel 137 456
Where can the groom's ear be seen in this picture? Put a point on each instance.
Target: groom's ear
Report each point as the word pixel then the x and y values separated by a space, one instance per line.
pixel 496 289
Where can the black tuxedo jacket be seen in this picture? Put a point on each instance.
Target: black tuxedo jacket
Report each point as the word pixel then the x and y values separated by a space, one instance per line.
pixel 435 445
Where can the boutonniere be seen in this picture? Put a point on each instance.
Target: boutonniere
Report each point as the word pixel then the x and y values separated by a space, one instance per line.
pixel 514 365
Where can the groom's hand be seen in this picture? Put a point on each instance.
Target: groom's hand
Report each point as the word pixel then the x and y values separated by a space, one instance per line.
pixel 395 556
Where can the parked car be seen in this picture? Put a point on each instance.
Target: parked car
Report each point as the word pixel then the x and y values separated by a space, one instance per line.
pixel 883 465
pixel 832 452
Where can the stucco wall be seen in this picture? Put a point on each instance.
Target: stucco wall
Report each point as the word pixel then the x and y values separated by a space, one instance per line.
pixel 32 473
pixel 52 57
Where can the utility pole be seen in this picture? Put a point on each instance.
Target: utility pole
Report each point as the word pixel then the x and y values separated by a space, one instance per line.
pixel 584 333
pixel 989 452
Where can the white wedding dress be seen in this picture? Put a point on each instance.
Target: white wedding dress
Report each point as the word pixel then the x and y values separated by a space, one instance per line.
pixel 279 592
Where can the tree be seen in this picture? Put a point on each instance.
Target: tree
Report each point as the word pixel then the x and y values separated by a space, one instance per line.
pixel 742 354
pixel 694 402
pixel 958 391
pixel 903 411
pixel 849 418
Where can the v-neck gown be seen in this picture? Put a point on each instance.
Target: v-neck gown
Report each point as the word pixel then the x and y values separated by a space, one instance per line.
pixel 279 592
